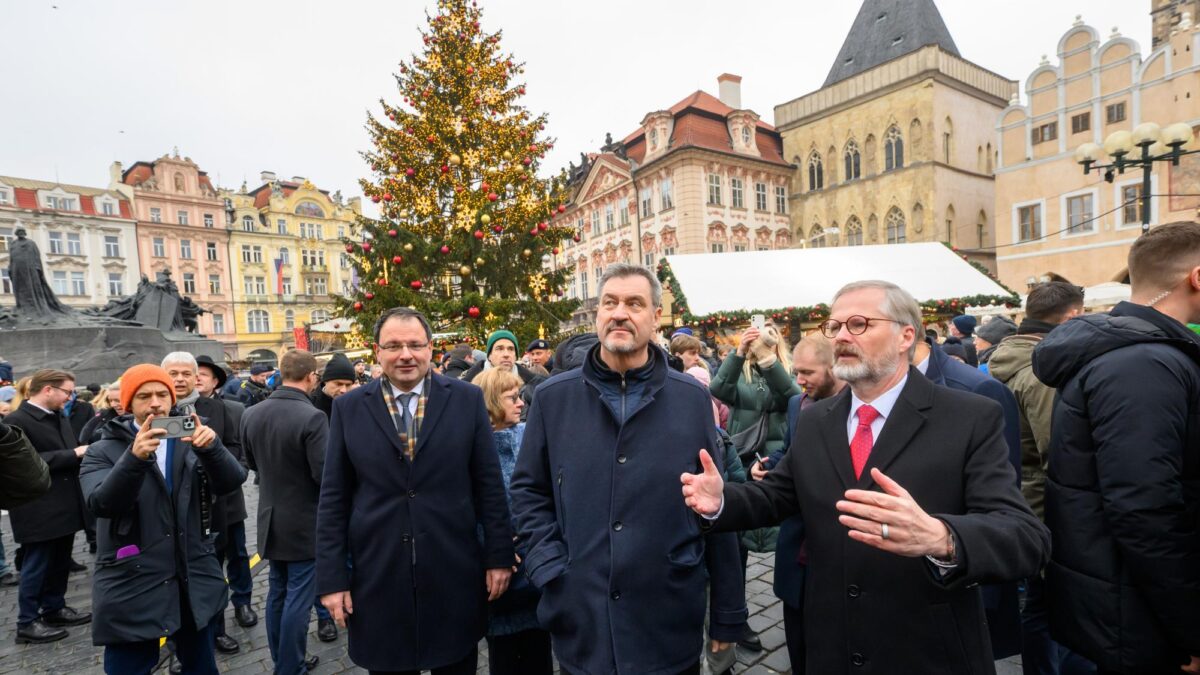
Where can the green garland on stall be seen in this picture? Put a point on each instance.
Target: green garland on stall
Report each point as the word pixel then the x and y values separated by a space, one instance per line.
pixel 945 307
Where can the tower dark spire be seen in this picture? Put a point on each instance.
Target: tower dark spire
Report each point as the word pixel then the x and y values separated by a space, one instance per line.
pixel 887 29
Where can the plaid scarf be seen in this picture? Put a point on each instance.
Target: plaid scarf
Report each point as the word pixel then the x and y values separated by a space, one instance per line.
pixel 408 442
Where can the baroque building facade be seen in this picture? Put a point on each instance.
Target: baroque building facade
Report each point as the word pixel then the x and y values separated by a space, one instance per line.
pixel 181 230
pixel 287 260
pixel 897 145
pixel 702 176
pixel 87 237
pixel 1055 222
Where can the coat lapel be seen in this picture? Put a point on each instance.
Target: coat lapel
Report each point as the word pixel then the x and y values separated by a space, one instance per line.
pixel 833 428
pixel 436 402
pixel 908 416
pixel 378 411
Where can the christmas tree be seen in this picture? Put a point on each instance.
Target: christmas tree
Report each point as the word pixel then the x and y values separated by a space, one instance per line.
pixel 465 229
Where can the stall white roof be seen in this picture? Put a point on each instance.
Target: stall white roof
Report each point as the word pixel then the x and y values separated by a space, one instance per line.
pixel 1105 295
pixel 729 282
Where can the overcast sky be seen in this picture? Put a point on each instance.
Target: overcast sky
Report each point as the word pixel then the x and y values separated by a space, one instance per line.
pixel 243 86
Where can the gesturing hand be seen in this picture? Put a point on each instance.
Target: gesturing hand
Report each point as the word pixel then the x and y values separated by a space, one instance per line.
pixel 201 435
pixel 702 491
pixel 911 532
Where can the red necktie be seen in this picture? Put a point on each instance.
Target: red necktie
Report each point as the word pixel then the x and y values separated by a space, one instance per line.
pixel 860 447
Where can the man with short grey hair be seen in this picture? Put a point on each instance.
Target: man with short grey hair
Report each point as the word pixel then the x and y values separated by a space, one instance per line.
pixel 945 517
pixel 229 511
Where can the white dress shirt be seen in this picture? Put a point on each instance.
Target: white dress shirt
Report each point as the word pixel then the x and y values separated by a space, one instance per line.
pixel 412 402
pixel 882 405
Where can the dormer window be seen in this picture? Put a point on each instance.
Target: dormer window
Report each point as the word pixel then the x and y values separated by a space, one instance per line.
pixel 746 135
pixel 654 139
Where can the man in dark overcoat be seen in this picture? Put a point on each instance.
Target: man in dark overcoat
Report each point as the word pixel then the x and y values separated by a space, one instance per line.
pixel 46 526
pixel 410 470
pixel 895 559
pixel 157 573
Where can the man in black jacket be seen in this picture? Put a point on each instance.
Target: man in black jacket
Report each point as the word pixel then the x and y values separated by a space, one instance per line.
pixel 229 513
pixel 337 378
pixel 1123 482
pixel 255 390
pixel 285 439
pixel 24 475
pixel 157 574
pixel 46 527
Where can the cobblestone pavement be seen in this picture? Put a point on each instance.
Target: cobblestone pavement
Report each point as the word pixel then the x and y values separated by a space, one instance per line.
pixel 76 655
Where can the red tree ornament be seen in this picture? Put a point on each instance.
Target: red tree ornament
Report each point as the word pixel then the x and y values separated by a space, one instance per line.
pixel 410 172
pixel 358 306
pixel 370 295
pixel 366 246
pixel 397 260
pixel 492 196
pixel 445 249
pixel 393 234
pixel 387 196
pixel 375 198
pixel 415 284
pixel 479 234
pixel 473 312
pixel 349 248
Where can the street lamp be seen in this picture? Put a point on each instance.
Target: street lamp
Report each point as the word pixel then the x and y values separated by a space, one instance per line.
pixel 1152 143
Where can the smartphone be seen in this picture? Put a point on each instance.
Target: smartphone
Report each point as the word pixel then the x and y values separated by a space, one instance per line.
pixel 758 321
pixel 177 427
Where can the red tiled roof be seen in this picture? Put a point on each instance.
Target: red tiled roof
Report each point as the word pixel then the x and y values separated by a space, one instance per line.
pixel 26 198
pixel 138 173
pixel 700 122
pixel 206 182
pixel 262 193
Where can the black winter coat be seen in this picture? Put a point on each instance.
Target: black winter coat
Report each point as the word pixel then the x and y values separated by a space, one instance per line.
pixel 285 439
pixel 60 511
pixel 1123 488
pixel 409 528
pixel 138 598
pixel 91 431
pixel 225 417
pixel 24 475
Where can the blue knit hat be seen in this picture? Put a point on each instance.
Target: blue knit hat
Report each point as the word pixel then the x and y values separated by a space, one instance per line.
pixel 965 323
pixel 501 335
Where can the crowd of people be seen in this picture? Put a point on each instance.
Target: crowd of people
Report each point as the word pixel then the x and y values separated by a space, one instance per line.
pixel 933 503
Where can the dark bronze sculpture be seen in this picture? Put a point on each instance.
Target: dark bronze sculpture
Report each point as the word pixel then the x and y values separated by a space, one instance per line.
pixel 155 304
pixel 33 294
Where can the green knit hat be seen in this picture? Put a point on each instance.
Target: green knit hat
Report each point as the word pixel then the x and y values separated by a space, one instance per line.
pixel 502 335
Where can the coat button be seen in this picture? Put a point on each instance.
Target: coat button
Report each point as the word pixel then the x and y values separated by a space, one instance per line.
pixel 857 659
pixel 853 591
pixel 412 494
pixel 616 595
pixel 618 526
pixel 620 459
pixel 405 538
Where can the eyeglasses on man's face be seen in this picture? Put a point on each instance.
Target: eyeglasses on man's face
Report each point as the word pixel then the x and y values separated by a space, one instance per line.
pixel 396 347
pixel 855 325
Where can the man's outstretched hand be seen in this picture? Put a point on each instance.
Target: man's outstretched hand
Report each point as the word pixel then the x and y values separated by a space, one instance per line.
pixel 702 491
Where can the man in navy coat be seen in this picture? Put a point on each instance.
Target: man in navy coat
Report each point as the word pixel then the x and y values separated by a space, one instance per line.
pixel 411 468
pixel 621 562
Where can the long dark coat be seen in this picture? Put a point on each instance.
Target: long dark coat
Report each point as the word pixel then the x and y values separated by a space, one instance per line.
pixel 285 438
pixel 60 511
pixel 138 598
pixel 417 581
pixel 873 611
pixel 225 417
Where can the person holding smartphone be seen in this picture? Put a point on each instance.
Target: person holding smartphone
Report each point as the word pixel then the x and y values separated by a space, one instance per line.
pixel 157 573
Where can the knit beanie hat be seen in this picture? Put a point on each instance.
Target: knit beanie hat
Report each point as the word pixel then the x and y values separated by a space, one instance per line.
pixel 997 329
pixel 501 335
pixel 142 374
pixel 338 368
pixel 965 323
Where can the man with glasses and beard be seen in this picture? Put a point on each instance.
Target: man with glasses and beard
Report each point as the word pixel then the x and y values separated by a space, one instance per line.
pixel 908 498
pixel 621 563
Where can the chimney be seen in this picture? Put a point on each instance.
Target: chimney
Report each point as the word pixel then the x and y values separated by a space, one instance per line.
pixel 267 176
pixel 730 91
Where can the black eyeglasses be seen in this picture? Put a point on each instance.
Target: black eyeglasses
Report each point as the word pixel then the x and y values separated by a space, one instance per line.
pixel 855 325
pixel 68 392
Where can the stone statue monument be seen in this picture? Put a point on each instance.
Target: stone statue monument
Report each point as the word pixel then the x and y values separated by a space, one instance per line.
pixel 96 344
pixel 29 286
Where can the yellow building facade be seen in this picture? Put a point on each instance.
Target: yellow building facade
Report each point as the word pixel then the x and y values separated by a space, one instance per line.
pixel 287 260
pixel 897 146
pixel 1055 222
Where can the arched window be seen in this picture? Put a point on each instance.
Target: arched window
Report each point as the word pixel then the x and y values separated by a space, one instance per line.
pixel 895 227
pixel 854 232
pixel 873 229
pixel 284 256
pixel 869 165
pixel 258 321
pixel 949 225
pixel 831 170
pixel 816 237
pixel 991 156
pixel 247 224
pixel 179 182
pixel 816 172
pixel 893 149
pixel 289 319
pixel 981 228
pixel 320 316
pixel 310 209
pixel 853 161
pixel 979 159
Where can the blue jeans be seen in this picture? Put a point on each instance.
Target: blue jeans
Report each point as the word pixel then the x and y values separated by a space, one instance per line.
pixel 291 590
pixel 44 574
pixel 1040 654
pixel 193 648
